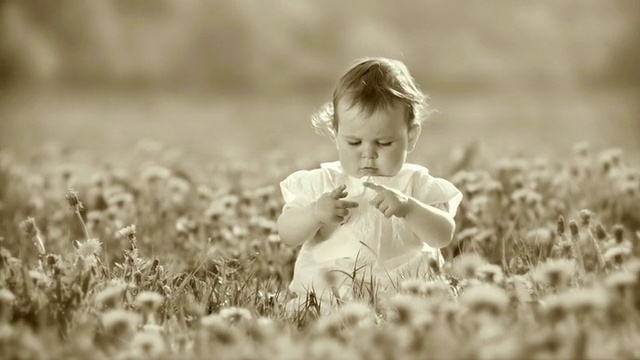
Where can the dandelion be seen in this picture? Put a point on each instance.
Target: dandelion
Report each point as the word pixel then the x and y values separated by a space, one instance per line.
pixel 110 297
pixel 616 255
pixel 585 217
pixel 466 265
pixel 490 273
pixel 539 238
pixel 31 229
pixel 415 287
pixel 234 315
pixel 554 272
pixel 485 298
pixel 186 225
pixel 438 289
pixel 154 174
pixel 218 329
pixel 129 231
pixel 119 321
pixel 147 345
pixel 621 282
pixel 148 301
pixel 354 314
pixel 586 300
pixel 39 278
pixel 403 308
pixel 89 248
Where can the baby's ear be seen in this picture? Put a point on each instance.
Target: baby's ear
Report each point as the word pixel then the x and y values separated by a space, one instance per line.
pixel 414 134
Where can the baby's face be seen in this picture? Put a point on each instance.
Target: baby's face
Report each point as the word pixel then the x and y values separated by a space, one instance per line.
pixel 375 145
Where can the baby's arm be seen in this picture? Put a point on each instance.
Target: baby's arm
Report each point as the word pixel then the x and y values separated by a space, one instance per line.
pixel 429 223
pixel 296 225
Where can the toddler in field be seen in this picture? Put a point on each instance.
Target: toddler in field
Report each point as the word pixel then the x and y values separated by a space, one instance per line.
pixel 370 211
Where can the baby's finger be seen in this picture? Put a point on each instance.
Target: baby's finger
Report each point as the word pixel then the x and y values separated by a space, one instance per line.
pixel 342 212
pixel 344 204
pixel 376 201
pixel 337 192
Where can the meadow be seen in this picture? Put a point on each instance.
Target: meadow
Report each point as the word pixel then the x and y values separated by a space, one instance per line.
pixel 167 253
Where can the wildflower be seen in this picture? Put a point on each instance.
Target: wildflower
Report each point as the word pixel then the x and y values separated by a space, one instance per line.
pixel 31 229
pixel 403 308
pixel 149 301
pixel 539 238
pixel 109 297
pixel 586 300
pixel 129 231
pixel 72 198
pixel 235 315
pixel 554 272
pixel 218 328
pixel 466 265
pixel 39 278
pixel 89 247
pixel 621 282
pixel 616 255
pixel 485 298
pixel 147 345
pixel 119 321
pixel 416 287
pixel 438 289
pixel 154 174
pixel 353 314
pixel 120 200
pixel 555 307
pixel 186 225
pixel 490 273
pixel 585 217
pixel 178 185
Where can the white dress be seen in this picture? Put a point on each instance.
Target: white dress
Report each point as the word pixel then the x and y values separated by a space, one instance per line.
pixel 366 241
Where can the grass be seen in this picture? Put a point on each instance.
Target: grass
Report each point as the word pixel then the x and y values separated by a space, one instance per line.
pixel 150 258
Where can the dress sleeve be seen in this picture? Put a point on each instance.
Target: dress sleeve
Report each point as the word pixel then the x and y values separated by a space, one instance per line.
pixel 300 188
pixel 437 192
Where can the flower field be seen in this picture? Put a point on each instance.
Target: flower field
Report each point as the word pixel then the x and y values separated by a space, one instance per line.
pixel 163 256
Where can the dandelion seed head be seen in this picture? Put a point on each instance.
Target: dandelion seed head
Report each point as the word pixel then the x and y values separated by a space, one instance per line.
pixel 403 308
pixel 109 296
pixel 149 301
pixel 29 227
pixel 485 298
pixel 466 265
pixel 416 287
pixel 490 273
pixel 585 300
pixel 617 254
pixel 89 247
pixel 148 344
pixel 119 321
pixel 355 313
pixel 234 315
pixel 539 238
pixel 554 272
pixel 585 217
pixel 154 174
pixel 621 281
pixel 72 198
pixel 128 231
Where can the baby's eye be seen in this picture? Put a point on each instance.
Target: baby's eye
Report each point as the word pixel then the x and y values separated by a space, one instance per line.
pixel 384 143
pixel 353 143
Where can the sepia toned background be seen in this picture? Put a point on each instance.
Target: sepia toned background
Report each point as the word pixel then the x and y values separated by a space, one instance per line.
pixel 241 78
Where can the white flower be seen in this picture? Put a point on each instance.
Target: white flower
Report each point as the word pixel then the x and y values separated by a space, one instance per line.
pixel 149 301
pixel 89 247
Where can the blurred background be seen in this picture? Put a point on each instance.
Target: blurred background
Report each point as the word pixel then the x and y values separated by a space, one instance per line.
pixel 237 78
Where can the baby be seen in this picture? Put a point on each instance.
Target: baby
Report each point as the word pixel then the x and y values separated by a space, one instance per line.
pixel 370 212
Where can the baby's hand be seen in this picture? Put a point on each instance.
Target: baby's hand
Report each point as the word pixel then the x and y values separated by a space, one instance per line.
pixel 390 202
pixel 330 208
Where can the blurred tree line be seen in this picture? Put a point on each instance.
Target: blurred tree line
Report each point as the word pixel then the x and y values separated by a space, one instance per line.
pixel 262 46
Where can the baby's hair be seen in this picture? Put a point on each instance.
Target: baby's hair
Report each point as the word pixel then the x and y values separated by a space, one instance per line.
pixel 373 84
